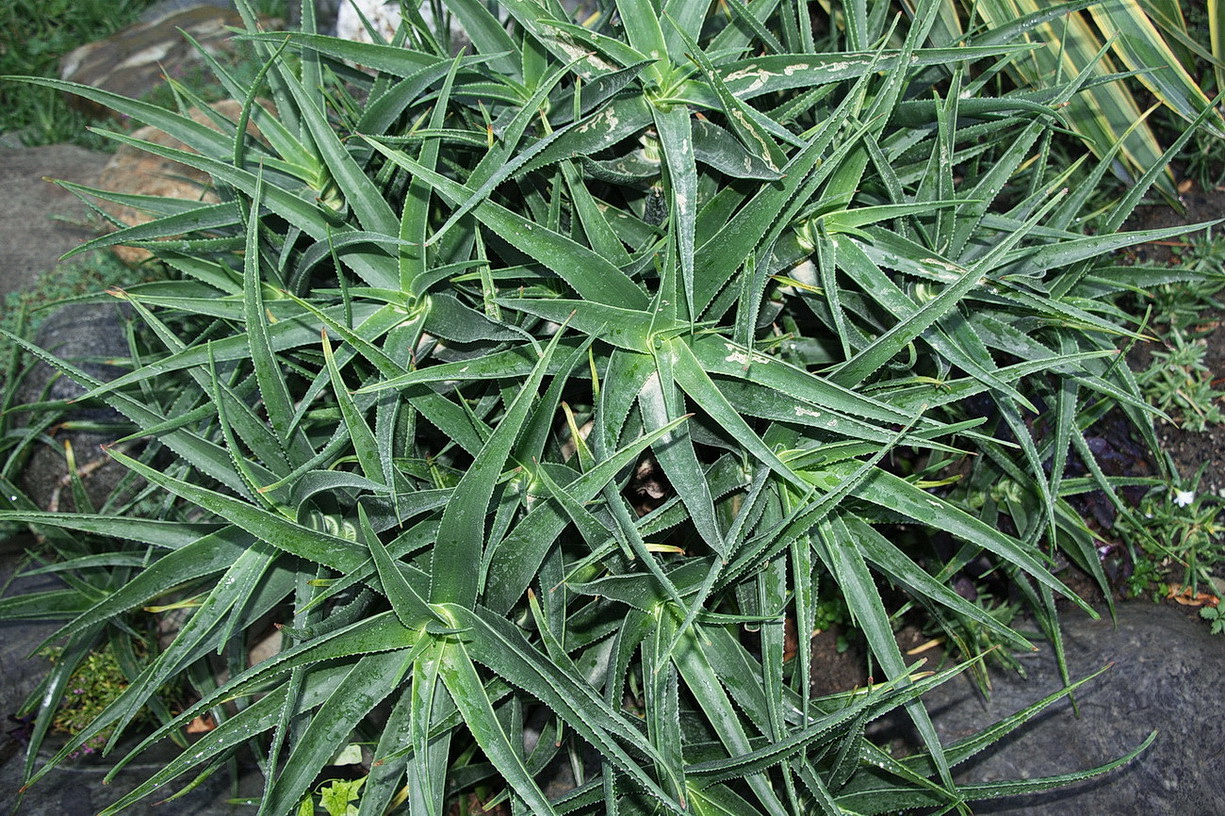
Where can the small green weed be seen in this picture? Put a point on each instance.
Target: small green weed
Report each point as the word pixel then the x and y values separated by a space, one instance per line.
pixel 97 682
pixel 1204 254
pixel 1181 305
pixel 1215 617
pixel 1146 574
pixel 1178 537
pixel 337 797
pixel 1178 381
pixel 1181 385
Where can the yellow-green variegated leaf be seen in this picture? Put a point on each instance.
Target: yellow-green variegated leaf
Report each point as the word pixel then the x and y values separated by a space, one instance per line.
pixel 1168 17
pixel 1102 114
pixel 1141 47
pixel 1216 38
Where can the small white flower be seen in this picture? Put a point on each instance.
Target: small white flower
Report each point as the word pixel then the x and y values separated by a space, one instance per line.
pixel 1184 497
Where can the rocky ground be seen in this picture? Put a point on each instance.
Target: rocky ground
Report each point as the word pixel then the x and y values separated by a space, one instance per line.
pixel 1165 676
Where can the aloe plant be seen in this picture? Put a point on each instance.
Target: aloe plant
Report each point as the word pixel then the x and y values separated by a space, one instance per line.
pixel 449 310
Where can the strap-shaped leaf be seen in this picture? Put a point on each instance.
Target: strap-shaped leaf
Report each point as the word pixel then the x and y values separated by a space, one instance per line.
pixel 204 631
pixel 676 142
pixel 365 685
pixel 380 633
pixel 702 678
pixel 466 689
pixel 396 60
pixel 51 605
pixel 901 334
pixel 514 561
pixel 640 590
pixel 719 356
pixel 900 495
pixel 697 384
pixel 208 554
pixel 426 768
pixel 847 564
pixel 503 161
pixel 256 718
pixel 756 141
pixel 662 699
pixel 461 536
pixel 501 646
pixel 405 601
pixel 957 346
pixel 1141 47
pixel 489 36
pixel 321 548
pixel 271 380
pixel 202 453
pixel 172 535
pixel 758 76
pixel 364 444
pixel 289 331
pixel 591 276
pixel 314 219
pixel 645 35
pixel 193 218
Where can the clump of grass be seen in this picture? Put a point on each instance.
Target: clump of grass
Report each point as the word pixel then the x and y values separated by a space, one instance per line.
pixel 33 38
pixel 96 683
pixel 1180 383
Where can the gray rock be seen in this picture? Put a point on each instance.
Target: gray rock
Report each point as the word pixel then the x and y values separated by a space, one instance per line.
pixel 134 60
pixel 164 8
pixel 76 787
pixel 86 335
pixel 40 221
pixel 20 671
pixel 90 335
pixel 1166 676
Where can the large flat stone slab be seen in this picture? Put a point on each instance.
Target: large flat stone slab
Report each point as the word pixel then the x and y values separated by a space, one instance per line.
pixel 1166 676
pixel 40 221
pixel 133 61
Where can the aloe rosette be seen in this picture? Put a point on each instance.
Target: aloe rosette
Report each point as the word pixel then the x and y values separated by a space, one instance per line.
pixel 411 365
